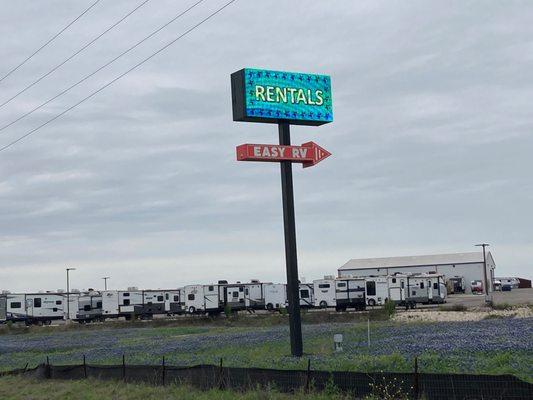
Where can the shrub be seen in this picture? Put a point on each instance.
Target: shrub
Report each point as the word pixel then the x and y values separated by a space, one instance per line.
pixel 502 306
pixel 227 310
pixel 455 307
pixel 390 308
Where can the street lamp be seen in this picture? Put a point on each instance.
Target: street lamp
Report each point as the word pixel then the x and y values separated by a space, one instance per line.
pixel 105 278
pixel 487 296
pixel 68 293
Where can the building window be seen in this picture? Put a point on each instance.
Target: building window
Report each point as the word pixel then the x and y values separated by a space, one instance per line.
pixel 371 288
pixel 37 302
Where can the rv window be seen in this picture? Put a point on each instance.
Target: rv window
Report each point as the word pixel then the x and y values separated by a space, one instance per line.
pixel 159 298
pixel 414 293
pixel 304 294
pixel 211 288
pixel 37 302
pixel 341 284
pixel 126 302
pixel 235 294
pixel 421 285
pixel 87 307
pixel 371 288
pixel 54 309
pixel 246 292
pixel 15 304
pixel 324 286
pixel 393 280
pixel 435 285
pixel 126 294
pixel 402 284
pixel 167 296
pixel 190 297
pixel 58 302
pixel 176 298
pixel 241 289
pixel 98 304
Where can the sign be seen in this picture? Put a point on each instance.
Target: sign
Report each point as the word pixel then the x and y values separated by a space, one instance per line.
pixel 308 154
pixel 260 95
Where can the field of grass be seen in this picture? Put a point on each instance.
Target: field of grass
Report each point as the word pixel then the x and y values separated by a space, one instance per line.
pixel 14 388
pixel 499 346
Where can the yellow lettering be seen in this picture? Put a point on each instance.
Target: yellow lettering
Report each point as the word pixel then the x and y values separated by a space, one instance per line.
pixel 300 97
pixel 260 92
pixel 281 94
pixel 319 99
pixel 270 93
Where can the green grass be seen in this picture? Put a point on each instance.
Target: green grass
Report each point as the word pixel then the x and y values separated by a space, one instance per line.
pixel 16 388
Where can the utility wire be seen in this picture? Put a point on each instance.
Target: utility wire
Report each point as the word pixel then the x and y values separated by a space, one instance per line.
pixel 118 77
pixel 75 54
pixel 49 41
pixel 101 67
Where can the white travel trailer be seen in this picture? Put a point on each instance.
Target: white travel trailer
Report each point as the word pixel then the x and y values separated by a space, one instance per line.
pixel 275 296
pixel 307 297
pixel 202 299
pixel 377 290
pixel 254 297
pixel 34 308
pixel 324 292
pixel 350 293
pixel 121 303
pixel 84 307
pixel 3 309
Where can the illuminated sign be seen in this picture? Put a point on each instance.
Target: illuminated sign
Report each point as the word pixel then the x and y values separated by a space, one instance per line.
pixel 260 95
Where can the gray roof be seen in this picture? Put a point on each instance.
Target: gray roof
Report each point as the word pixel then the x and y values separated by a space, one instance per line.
pixel 411 261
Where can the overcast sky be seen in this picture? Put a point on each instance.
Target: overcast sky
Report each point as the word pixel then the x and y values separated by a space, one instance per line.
pixel 431 141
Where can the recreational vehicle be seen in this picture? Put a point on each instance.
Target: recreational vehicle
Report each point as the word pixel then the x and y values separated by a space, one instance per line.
pixel 324 291
pixel 3 309
pixel 254 297
pixel 377 290
pixel 307 297
pixel 34 308
pixel 350 293
pixel 84 307
pixel 203 299
pixel 275 296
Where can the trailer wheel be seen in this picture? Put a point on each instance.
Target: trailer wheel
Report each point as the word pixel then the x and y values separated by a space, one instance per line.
pixel 371 302
pixel 270 307
pixel 192 310
pixel 323 304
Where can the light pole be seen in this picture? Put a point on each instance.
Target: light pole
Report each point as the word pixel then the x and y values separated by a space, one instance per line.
pixel 68 294
pixel 105 278
pixel 487 296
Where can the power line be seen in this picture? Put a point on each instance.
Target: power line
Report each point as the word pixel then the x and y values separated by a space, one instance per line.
pixel 100 68
pixel 75 54
pixel 49 41
pixel 118 77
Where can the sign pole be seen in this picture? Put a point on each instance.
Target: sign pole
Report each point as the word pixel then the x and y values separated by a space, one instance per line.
pixel 293 285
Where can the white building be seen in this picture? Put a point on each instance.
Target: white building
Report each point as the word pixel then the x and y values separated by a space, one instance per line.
pixel 466 265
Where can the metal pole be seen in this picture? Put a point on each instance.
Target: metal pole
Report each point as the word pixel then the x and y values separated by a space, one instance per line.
pixel 68 298
pixel 291 260
pixel 105 278
pixel 368 328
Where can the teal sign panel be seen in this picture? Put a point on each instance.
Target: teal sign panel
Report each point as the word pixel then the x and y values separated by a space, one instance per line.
pixel 278 96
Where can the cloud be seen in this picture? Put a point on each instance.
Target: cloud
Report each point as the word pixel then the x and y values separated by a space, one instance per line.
pixel 430 142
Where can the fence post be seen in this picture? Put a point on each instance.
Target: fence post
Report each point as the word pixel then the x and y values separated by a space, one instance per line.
pixel 84 367
pixel 221 375
pixel 416 386
pixel 163 373
pixel 123 366
pixel 48 372
pixel 308 376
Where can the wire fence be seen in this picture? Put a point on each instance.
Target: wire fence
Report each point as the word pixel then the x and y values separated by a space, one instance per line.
pixel 413 385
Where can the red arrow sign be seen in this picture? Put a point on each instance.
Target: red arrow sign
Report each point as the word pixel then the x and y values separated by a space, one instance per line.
pixel 308 153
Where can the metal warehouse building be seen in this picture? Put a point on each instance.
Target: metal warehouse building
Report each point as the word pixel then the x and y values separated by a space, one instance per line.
pixel 466 265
